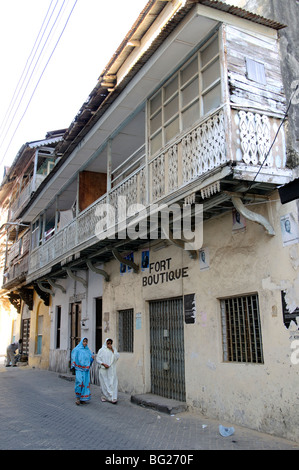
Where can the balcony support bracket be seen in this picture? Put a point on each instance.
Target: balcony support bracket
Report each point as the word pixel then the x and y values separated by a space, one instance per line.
pixel 119 258
pixel 259 219
pixel 44 289
pixel 98 271
pixel 76 278
pixel 56 286
pixel 181 243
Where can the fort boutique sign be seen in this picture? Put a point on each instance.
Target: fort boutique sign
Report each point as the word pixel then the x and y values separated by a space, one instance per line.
pixel 160 272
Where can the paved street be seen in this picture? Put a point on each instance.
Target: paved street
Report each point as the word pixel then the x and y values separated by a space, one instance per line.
pixel 38 412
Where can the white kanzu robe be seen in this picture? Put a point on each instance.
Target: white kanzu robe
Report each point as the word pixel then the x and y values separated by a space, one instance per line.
pixel 108 377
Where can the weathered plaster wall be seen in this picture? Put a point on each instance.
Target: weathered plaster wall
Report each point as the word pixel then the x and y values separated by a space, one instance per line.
pixel 260 396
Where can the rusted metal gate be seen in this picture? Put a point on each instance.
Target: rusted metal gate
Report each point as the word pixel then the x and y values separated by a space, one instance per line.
pixel 167 348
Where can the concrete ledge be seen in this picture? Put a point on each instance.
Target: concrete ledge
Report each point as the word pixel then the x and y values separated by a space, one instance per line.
pixel 155 402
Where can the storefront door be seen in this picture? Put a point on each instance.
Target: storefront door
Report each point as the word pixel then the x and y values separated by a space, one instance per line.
pixel 167 348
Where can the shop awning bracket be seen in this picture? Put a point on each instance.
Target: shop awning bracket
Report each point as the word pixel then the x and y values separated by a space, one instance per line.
pixel 122 260
pixel 253 216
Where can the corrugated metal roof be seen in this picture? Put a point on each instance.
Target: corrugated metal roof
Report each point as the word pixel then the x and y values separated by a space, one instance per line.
pixel 240 12
pixel 45 142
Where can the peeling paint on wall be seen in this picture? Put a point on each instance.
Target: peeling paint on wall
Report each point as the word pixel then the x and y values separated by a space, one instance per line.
pixel 294 257
pixel 268 284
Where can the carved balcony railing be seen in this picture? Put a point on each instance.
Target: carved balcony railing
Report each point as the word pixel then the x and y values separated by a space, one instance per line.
pixel 195 153
pixel 235 136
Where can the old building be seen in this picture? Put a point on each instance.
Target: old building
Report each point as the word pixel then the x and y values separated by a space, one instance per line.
pixel 161 224
pixel 26 314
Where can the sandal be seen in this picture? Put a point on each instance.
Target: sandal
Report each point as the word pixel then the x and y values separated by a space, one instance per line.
pixel 77 401
pixel 103 399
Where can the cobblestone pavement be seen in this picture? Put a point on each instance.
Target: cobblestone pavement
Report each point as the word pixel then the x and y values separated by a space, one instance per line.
pixel 38 412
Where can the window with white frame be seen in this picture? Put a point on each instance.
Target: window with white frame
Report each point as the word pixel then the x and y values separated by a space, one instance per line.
pixel 241 330
pixel 192 92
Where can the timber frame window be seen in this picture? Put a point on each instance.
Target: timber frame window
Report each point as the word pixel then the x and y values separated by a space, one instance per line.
pixel 192 92
pixel 241 330
pixel 125 330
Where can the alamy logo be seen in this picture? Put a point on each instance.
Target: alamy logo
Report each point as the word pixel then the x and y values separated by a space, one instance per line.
pixel 183 224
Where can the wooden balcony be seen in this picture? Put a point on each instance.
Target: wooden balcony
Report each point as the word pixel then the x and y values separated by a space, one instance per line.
pixel 230 142
pixel 17 261
pixel 16 273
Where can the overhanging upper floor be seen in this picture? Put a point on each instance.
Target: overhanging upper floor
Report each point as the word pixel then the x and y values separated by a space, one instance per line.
pixel 189 118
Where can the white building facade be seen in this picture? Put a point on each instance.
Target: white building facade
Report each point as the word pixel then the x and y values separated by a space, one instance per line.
pixel 187 115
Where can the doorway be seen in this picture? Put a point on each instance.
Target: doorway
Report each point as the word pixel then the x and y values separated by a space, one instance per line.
pixel 99 336
pixel 167 348
pixel 25 335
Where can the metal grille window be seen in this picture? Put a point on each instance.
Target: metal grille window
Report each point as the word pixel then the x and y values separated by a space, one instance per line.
pixel 125 331
pixel 241 330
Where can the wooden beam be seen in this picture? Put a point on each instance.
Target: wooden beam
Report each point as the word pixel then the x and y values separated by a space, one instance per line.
pixel 76 278
pixel 122 260
pixel 98 271
pixel 258 218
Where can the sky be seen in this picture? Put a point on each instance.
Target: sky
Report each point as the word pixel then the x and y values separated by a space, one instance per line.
pixel 51 54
